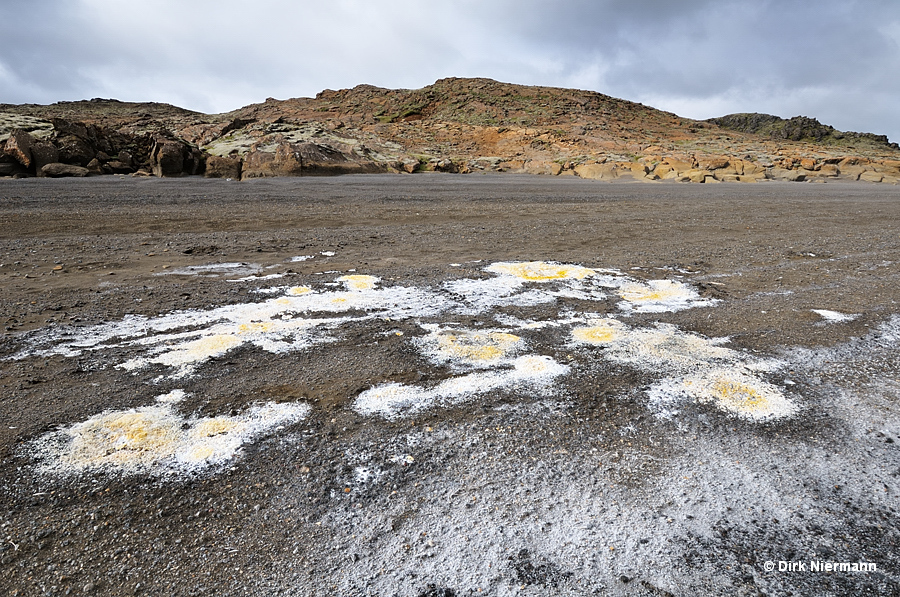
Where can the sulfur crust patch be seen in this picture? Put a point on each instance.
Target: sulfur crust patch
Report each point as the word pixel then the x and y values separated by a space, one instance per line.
pixel 477 348
pixel 697 367
pixel 733 390
pixel 540 271
pixel 658 296
pixel 600 332
pixel 359 282
pixel 156 440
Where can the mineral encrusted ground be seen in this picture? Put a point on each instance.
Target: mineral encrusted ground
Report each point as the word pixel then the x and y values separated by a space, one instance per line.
pixel 632 472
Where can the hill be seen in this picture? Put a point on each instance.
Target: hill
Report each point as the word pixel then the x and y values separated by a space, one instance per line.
pixel 454 125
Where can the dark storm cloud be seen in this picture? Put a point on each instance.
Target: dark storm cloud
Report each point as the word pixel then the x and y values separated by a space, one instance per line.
pixel 834 60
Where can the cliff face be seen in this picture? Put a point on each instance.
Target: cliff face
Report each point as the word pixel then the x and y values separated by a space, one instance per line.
pixel 455 125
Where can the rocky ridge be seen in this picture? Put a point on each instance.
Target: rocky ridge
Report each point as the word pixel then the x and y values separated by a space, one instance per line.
pixel 454 125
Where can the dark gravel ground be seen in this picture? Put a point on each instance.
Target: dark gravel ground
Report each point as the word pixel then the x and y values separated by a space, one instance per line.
pixel 580 492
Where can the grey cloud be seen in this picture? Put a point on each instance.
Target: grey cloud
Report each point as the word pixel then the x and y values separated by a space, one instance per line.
pixel 833 60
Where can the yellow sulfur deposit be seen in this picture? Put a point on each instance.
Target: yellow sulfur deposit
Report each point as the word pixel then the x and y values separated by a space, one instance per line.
pixel 654 291
pixel 476 347
pixel 540 271
pixel 156 439
pixel 602 332
pixel 214 426
pixel 138 437
pixel 298 290
pixel 739 393
pixel 199 350
pixel 260 327
pixel 358 282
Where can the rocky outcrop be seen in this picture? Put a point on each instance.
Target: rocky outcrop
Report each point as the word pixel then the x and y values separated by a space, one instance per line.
pixel 278 157
pixel 454 126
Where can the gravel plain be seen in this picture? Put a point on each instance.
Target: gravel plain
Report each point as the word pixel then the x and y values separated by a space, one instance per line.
pixel 181 392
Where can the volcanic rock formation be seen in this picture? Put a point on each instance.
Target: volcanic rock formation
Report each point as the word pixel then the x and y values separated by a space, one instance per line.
pixel 454 125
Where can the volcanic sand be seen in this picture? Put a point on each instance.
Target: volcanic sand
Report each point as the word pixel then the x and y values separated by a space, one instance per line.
pixel 592 388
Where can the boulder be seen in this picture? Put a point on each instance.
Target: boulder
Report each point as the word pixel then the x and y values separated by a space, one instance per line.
pixel 635 169
pixel 597 171
pixel 712 163
pixel 697 175
pixel 43 153
pixel 679 166
pixel 58 170
pixel 784 174
pixel 808 164
pixel 263 161
pixel 871 176
pixel 408 165
pixel 853 171
pixel 174 157
pixel 18 146
pixel 126 158
pixel 94 167
pixel 223 167
pixel 662 170
pixel 74 150
pixel 752 169
pixel 542 167
pixel 277 157
pixel 829 171
pixel 118 167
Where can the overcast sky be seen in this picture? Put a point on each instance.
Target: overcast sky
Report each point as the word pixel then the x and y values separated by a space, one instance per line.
pixel 835 60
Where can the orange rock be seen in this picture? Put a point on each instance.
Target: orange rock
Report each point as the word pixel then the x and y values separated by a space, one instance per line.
pixel 829 170
pixel 712 163
pixel 808 164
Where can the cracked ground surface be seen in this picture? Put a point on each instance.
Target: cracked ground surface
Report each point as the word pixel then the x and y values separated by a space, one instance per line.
pixel 448 385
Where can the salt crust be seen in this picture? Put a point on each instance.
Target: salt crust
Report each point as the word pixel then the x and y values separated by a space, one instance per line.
pixel 156 440
pixel 834 316
pixel 696 367
pixel 530 374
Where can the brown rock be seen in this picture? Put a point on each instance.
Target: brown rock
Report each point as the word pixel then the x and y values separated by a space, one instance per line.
pixel 11 168
pixel 752 168
pixel 223 167
pixel 94 167
pixel 808 164
pixel 58 170
pixel 409 165
pixel 118 167
pixel 75 150
pixel 43 153
pixel 264 162
pixel 306 159
pixel 174 157
pixel 18 146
